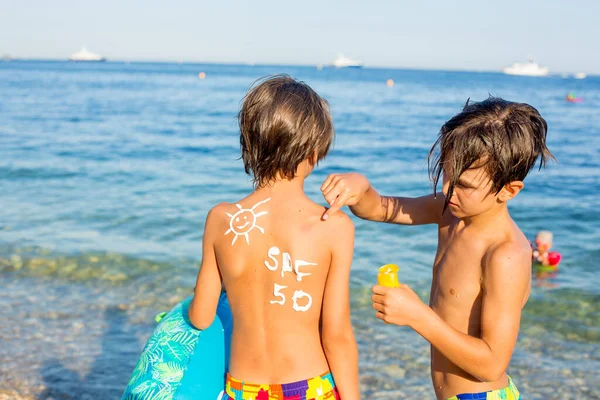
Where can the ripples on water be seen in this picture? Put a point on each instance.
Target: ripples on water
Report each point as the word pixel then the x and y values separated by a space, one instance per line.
pixel 107 172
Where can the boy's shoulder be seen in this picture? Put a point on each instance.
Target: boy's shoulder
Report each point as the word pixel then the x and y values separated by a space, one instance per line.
pixel 340 220
pixel 223 214
pixel 338 232
pixel 339 228
pixel 245 205
pixel 510 256
pixel 221 208
pixel 219 212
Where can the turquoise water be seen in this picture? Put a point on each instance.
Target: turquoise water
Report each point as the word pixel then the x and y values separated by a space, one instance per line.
pixel 107 172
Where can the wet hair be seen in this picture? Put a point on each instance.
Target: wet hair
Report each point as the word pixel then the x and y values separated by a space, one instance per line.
pixel 503 137
pixel 282 123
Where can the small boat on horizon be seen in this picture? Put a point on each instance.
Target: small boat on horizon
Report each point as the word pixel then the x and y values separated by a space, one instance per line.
pixel 344 62
pixel 530 68
pixel 86 55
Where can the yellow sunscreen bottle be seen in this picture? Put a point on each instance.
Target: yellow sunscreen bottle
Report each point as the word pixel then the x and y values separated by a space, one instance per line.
pixel 388 276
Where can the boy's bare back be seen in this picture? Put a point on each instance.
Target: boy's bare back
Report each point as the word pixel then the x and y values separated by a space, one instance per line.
pixel 274 254
pixel 286 272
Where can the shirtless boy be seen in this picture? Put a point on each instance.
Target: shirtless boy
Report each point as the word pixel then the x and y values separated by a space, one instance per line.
pixel 482 269
pixel 286 272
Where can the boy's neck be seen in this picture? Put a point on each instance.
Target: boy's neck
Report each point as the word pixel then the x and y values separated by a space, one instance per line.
pixel 285 187
pixel 489 218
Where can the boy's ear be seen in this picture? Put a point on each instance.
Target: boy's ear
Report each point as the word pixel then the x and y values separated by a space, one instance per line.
pixel 510 190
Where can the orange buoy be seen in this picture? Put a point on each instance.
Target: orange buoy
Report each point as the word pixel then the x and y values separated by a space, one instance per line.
pixel 201 75
pixel 390 82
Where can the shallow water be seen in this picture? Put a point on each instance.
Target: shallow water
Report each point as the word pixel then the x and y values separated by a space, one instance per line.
pixel 107 172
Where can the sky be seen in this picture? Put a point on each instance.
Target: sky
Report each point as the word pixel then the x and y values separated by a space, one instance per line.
pixel 436 34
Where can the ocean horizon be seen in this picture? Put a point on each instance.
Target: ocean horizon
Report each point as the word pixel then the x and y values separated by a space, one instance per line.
pixel 552 73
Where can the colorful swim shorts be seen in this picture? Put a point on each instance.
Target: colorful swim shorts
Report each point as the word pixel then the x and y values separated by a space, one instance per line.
pixel 508 393
pixel 321 387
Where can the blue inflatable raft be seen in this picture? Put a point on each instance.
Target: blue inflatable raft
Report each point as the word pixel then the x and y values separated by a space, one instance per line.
pixel 180 362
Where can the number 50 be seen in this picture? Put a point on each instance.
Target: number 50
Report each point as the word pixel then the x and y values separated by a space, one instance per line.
pixel 298 294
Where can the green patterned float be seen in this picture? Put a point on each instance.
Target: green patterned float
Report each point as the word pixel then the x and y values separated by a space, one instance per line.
pixel 180 362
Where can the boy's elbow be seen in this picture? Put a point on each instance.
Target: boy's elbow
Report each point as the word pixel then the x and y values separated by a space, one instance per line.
pixel 200 322
pixel 492 372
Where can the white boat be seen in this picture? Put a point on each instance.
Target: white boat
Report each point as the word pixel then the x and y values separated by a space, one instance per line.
pixel 86 55
pixel 344 62
pixel 580 75
pixel 530 68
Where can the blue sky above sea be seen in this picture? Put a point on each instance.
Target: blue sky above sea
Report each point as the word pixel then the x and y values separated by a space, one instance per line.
pixel 469 35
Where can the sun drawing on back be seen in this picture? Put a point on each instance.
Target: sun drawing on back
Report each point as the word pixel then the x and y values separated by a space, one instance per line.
pixel 243 221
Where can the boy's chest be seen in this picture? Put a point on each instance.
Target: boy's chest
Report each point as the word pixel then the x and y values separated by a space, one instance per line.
pixel 457 273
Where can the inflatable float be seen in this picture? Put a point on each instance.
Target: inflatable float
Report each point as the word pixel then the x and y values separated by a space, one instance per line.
pixel 180 362
pixel 572 99
pixel 553 259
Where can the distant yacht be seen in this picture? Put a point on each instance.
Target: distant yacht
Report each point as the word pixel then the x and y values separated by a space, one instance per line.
pixel 85 55
pixel 530 68
pixel 344 62
pixel 580 75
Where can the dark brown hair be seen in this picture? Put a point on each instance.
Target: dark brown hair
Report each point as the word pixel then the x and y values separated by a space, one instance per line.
pixel 282 123
pixel 505 138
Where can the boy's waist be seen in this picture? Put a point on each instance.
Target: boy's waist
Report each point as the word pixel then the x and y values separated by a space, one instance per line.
pixel 292 365
pixel 321 386
pixel 451 380
pixel 508 392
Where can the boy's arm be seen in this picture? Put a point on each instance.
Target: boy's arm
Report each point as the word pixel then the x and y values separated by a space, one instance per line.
pixel 336 330
pixel 354 190
pixel 203 306
pixel 506 279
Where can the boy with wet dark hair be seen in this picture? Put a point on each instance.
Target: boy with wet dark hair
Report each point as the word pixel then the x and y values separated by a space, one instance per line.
pixel 482 269
pixel 287 274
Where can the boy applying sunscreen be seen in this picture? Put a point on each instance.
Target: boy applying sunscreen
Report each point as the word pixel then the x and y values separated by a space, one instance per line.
pixel 482 269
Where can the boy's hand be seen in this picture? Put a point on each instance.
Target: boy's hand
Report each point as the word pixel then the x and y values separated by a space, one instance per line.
pixel 343 190
pixel 399 306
